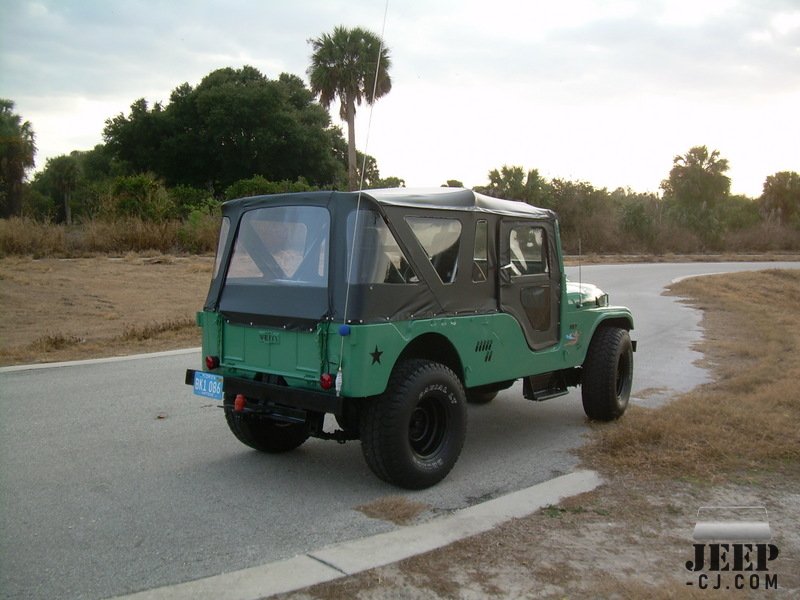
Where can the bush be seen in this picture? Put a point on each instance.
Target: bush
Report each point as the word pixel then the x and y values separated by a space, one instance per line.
pixel 764 237
pixel 258 185
pixel 36 205
pixel 142 196
pixel 199 233
pixel 187 199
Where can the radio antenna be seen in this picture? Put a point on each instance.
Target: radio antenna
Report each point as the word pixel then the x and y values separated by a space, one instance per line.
pixel 344 327
pixel 580 273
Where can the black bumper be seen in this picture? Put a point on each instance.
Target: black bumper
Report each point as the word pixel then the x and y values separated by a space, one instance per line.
pixel 266 397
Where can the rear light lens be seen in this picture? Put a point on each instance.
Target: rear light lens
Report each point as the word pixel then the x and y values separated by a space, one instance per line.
pixel 212 362
pixel 326 381
pixel 239 403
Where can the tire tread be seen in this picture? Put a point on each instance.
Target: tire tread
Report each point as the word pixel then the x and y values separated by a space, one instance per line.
pixel 599 394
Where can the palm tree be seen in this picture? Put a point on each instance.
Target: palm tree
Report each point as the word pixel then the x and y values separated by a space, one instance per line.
pixel 17 151
pixel 353 66
pixel 66 173
pixel 698 179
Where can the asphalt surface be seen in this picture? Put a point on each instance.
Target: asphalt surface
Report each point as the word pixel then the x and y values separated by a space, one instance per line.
pixel 115 478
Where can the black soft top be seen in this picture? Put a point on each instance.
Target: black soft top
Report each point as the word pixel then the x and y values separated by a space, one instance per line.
pixel 456 199
pixel 442 198
pixel 336 299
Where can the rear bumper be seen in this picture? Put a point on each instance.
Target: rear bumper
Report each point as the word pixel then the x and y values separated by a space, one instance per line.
pixel 267 397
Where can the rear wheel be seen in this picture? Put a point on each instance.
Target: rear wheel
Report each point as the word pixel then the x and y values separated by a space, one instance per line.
pixel 412 434
pixel 265 434
pixel 607 374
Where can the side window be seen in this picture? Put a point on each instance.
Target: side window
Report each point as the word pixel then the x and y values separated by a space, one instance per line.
pixel 480 260
pixel 528 245
pixel 440 238
pixel 378 257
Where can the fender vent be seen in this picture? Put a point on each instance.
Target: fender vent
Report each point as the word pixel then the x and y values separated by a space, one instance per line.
pixel 484 346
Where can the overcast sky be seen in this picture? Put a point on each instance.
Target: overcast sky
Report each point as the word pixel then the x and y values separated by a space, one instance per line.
pixel 600 91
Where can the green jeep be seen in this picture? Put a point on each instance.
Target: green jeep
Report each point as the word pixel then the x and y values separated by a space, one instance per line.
pixel 390 309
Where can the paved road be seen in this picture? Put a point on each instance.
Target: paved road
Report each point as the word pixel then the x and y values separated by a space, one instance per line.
pixel 115 478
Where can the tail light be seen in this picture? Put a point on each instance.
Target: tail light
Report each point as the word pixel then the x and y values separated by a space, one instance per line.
pixel 212 362
pixel 326 381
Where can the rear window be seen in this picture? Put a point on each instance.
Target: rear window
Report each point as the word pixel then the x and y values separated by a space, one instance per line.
pixel 223 237
pixel 282 245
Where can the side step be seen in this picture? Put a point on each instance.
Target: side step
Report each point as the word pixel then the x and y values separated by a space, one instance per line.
pixel 544 387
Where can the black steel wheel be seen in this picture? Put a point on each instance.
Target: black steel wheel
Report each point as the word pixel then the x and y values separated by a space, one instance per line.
pixel 607 374
pixel 412 435
pixel 265 434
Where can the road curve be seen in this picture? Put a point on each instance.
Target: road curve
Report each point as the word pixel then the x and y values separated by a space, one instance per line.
pixel 115 478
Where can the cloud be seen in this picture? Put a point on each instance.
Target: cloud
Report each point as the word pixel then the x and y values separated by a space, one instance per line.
pixel 569 88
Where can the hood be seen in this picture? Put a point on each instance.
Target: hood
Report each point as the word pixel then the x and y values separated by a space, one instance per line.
pixel 585 294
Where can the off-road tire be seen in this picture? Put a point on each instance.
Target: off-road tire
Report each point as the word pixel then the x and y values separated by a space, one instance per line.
pixel 265 434
pixel 412 434
pixel 607 374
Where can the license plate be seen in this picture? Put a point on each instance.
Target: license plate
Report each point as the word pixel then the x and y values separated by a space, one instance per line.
pixel 208 385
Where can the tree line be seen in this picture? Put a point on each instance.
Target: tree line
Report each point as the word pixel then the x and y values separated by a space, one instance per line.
pixel 238 133
pixel 695 211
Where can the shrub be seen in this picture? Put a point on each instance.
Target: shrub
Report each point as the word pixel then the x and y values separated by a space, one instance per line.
pixel 142 196
pixel 187 199
pixel 198 234
pixel 764 237
pixel 258 185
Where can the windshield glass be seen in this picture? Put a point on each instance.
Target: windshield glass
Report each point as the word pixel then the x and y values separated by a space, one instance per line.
pixel 285 245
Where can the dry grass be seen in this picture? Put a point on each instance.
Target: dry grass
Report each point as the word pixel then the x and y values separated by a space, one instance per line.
pixel 149 331
pixel 397 509
pixel 55 341
pixel 669 257
pixel 748 417
pixel 66 309
pixel 198 234
pixel 26 237
pixel 734 441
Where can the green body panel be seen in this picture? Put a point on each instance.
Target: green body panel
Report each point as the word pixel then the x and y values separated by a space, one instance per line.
pixel 244 350
pixel 491 348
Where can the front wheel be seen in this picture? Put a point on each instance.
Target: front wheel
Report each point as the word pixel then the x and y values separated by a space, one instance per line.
pixel 607 374
pixel 412 434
